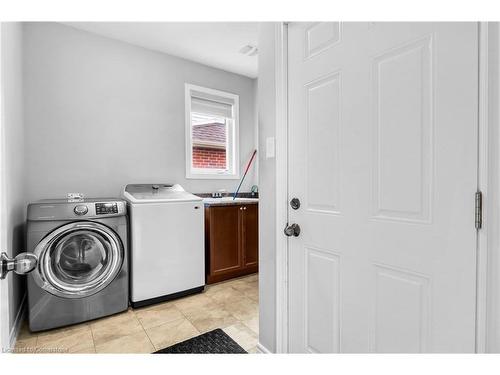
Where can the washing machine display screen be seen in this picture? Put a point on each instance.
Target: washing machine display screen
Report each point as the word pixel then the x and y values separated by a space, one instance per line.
pixel 106 208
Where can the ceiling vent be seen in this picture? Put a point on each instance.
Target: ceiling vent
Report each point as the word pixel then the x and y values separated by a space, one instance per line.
pixel 249 50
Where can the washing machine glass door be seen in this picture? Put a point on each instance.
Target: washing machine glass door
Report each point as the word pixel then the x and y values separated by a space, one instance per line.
pixel 78 259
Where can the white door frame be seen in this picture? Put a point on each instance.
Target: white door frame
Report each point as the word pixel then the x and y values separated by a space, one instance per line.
pixel 281 74
pixel 486 168
pixel 482 183
pixel 4 284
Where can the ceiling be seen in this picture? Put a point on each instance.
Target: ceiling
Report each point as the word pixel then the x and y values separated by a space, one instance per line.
pixel 215 44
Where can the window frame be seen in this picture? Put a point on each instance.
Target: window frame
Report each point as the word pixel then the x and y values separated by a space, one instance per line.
pixel 233 149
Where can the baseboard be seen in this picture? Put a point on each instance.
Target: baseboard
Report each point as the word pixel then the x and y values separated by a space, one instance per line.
pixel 14 331
pixel 262 349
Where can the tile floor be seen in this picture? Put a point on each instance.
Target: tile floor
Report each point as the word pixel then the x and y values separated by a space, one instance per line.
pixel 231 305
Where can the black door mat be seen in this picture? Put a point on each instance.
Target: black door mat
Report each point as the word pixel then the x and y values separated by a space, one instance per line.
pixel 213 342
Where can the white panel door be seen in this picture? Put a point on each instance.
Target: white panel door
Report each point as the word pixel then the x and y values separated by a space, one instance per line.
pixel 383 157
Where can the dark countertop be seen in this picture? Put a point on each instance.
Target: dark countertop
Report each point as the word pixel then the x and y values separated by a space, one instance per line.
pixel 227 201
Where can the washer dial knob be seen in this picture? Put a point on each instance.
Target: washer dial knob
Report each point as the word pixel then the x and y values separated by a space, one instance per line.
pixel 80 210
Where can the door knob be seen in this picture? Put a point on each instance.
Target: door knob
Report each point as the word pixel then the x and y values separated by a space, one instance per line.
pixel 292 230
pixel 23 263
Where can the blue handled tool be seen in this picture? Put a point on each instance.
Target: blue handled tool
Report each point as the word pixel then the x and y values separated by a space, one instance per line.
pixel 244 175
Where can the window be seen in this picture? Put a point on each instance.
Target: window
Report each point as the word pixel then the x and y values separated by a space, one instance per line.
pixel 211 133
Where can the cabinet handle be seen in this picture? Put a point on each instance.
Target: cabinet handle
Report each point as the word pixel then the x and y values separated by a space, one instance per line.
pixel 244 208
pixel 241 208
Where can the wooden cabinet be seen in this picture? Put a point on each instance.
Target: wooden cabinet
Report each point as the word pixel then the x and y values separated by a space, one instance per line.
pixel 250 235
pixel 231 241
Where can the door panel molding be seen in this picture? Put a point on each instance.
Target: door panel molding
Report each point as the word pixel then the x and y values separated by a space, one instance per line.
pixel 417 329
pixel 316 297
pixel 321 36
pixel 403 170
pixel 323 175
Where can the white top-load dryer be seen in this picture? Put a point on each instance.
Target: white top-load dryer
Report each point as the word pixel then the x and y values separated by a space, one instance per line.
pixel 167 248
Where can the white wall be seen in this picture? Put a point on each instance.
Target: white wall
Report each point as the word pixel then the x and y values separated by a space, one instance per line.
pixel 100 114
pixel 13 165
pixel 267 188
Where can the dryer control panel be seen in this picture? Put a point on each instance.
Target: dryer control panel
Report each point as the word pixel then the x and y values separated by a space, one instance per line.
pixel 106 208
pixel 59 209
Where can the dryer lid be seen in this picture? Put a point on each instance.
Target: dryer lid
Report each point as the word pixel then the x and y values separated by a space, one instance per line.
pixel 149 193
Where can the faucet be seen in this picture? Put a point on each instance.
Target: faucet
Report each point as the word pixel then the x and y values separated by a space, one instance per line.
pixel 219 193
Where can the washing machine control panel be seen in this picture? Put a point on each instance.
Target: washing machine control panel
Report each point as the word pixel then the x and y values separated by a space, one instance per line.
pixel 80 210
pixel 106 208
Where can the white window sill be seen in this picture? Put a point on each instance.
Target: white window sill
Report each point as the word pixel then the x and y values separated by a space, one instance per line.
pixel 214 176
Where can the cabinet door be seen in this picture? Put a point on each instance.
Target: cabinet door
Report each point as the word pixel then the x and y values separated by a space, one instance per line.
pixel 250 235
pixel 225 237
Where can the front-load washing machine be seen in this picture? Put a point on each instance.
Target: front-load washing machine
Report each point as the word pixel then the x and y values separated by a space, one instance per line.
pixel 81 261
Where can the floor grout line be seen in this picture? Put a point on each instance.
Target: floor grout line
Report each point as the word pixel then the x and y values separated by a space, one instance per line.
pixel 145 331
pixel 187 317
pixel 221 305
pixel 93 340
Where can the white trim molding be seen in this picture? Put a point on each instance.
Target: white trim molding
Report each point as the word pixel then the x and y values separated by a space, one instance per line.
pixel 488 246
pixel 16 327
pixel 233 137
pixel 262 349
pixel 482 185
pixel 488 240
pixel 4 285
pixel 281 62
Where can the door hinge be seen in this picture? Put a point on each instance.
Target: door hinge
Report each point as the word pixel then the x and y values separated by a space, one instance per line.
pixel 479 210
